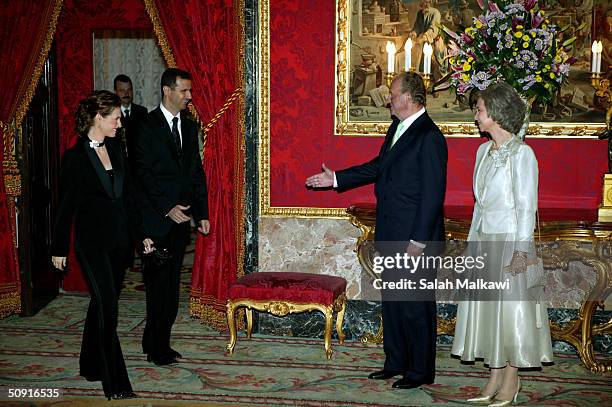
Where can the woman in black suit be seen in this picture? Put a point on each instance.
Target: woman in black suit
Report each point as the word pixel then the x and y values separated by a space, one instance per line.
pixel 96 194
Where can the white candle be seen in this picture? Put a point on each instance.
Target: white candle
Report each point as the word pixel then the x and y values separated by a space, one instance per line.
pixel 599 52
pixel 390 57
pixel 408 51
pixel 427 51
pixel 594 57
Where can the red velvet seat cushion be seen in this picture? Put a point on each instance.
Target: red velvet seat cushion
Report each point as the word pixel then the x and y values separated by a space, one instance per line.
pixel 288 286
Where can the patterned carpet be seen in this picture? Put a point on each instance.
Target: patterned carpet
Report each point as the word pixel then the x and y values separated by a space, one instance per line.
pixel 42 352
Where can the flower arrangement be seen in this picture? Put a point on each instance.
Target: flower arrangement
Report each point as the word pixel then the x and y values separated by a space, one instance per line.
pixel 513 41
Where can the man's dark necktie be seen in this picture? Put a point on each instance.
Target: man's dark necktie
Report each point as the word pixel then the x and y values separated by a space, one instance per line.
pixel 124 122
pixel 176 136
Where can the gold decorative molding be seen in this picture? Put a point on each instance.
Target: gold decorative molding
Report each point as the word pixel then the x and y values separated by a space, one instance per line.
pixel 282 308
pixel 10 302
pixel 343 126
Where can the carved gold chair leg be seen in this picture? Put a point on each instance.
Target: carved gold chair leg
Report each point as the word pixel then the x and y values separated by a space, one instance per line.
pixel 329 315
pixel 249 318
pixel 231 323
pixel 340 320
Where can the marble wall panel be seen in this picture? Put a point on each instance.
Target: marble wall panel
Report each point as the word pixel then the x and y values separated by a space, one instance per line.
pixel 326 246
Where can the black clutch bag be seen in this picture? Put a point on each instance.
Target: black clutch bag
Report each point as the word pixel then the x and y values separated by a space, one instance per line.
pixel 157 258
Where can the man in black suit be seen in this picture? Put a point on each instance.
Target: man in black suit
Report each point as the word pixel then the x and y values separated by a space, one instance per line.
pixel 168 167
pixel 410 183
pixel 131 113
pixel 131 116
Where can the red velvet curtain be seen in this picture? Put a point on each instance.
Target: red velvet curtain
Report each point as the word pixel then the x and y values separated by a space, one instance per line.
pixel 26 32
pixel 204 38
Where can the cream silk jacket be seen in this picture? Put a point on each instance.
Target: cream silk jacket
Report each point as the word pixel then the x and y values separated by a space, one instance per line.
pixel 508 200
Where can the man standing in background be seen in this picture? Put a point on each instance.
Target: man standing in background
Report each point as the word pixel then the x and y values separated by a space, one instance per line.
pixel 131 113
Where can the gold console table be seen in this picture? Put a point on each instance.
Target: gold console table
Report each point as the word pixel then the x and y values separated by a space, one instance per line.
pixel 565 244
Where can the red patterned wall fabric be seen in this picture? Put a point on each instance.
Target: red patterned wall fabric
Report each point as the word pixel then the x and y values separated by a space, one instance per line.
pixel 204 38
pixel 23 33
pixel 302 74
pixel 74 40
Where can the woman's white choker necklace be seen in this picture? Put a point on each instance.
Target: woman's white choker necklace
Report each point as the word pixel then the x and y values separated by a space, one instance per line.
pixel 95 144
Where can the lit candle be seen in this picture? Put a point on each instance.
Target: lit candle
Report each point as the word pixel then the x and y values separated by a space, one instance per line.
pixel 408 51
pixel 594 57
pixel 390 57
pixel 427 51
pixel 599 52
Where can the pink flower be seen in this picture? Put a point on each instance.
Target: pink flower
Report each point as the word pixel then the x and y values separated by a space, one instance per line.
pixel 536 20
pixel 529 4
pixel 466 38
pixel 485 47
pixel 493 7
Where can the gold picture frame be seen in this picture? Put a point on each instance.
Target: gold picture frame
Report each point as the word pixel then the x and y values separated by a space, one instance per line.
pixel 345 125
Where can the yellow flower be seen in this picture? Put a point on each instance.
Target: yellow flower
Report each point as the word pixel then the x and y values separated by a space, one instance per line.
pixel 519 27
pixel 538 72
pixel 465 77
pixel 452 61
pixel 538 78
pixel 542 13
pixel 478 24
pixel 470 59
pixel 552 75
pixel 467 66
pixel 547 66
pixel 533 34
pixel 544 26
pixel 525 45
pixel 558 59
pixel 518 34
pixel 515 53
pixel 525 38
pixel 469 30
pixel 545 69
pixel 547 85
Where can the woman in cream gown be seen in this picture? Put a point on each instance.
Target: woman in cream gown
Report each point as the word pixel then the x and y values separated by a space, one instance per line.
pixel 511 332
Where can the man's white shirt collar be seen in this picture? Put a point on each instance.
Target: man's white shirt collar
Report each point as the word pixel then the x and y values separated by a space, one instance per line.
pixel 169 118
pixel 407 122
pixel 123 109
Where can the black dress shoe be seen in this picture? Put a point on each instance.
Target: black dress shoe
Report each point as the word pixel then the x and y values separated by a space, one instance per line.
pixel 383 375
pixel 92 378
pixel 174 354
pixel 404 383
pixel 162 360
pixel 124 395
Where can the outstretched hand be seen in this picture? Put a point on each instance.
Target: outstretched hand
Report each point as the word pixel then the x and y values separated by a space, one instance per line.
pixel 324 179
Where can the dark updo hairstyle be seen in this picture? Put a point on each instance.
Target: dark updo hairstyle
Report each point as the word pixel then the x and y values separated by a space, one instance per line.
pixel 505 106
pixel 102 101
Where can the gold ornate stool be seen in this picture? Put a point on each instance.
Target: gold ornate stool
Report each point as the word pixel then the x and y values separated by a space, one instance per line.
pixel 285 293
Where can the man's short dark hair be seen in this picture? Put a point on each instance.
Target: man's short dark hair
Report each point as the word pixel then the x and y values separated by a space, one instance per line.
pixel 169 77
pixel 121 78
pixel 412 83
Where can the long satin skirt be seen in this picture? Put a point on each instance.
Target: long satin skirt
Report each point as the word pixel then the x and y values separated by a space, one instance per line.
pixel 505 331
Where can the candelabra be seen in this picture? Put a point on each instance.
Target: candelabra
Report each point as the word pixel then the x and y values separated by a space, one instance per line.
pixel 602 89
pixel 426 80
pixel 389 78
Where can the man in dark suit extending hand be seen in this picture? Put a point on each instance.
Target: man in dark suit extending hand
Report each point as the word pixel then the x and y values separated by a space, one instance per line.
pixel 410 182
pixel 168 167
